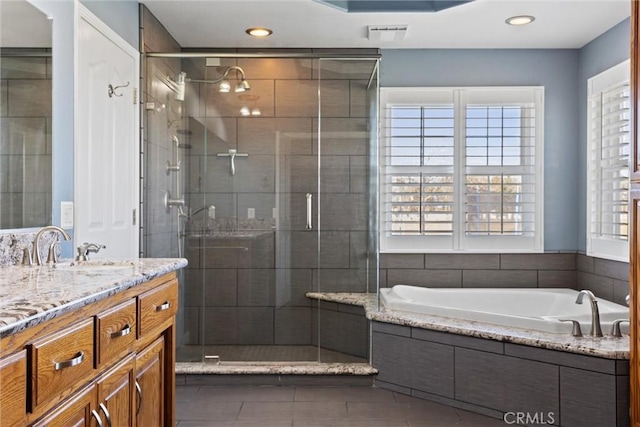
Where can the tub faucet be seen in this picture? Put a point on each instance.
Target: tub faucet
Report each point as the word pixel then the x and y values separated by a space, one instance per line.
pixel 596 329
pixel 37 258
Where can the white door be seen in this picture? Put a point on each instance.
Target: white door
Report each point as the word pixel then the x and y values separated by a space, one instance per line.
pixel 106 154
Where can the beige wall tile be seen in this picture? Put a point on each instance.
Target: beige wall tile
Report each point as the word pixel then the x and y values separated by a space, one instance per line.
pixel 155 38
pixel 4 110
pixel 298 98
pixel 260 135
pixel 358 98
pixel 342 136
pixel 23 135
pixel 29 98
pixel 23 68
pixel 272 68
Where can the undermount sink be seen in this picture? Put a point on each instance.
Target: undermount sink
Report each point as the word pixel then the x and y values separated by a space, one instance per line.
pixel 93 265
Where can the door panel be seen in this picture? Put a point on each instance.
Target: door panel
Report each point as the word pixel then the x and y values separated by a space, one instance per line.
pixel 106 146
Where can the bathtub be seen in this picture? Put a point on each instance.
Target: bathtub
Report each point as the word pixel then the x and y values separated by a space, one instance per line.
pixel 534 309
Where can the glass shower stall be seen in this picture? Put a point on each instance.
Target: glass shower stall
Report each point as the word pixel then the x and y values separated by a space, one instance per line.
pixel 261 170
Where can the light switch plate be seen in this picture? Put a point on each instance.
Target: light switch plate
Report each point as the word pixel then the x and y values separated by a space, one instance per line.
pixel 66 214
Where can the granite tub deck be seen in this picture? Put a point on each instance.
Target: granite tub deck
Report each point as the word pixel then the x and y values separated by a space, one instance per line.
pixel 606 347
pixel 497 371
pixel 32 295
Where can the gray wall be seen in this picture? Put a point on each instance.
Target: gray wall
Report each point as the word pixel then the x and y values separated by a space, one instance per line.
pixel 556 70
pixel 602 53
pixel 564 75
pixel 63 44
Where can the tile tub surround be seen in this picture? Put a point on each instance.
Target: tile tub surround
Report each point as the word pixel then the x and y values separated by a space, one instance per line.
pixel 494 378
pixel 605 278
pixel 494 370
pixel 32 295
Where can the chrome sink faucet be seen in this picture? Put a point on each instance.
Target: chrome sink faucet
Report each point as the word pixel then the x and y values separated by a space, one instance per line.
pixel 37 258
pixel 596 329
pixel 85 248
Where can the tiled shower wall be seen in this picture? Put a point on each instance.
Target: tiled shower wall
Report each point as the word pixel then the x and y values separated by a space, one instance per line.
pixel 607 279
pixel 248 297
pixel 25 141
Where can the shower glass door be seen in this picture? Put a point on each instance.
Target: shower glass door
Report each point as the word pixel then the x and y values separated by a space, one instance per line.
pixel 256 178
pixel 278 205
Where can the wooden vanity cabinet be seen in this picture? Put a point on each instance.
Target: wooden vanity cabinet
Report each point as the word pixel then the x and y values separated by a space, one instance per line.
pixel 150 384
pixel 13 383
pixel 110 363
pixel 76 411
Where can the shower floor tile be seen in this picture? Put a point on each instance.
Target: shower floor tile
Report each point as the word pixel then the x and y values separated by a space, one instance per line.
pixel 309 406
pixel 265 353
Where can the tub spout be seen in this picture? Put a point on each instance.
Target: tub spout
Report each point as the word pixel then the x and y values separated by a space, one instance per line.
pixel 596 329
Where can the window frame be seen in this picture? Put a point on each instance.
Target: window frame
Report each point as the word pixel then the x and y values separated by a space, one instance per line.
pixel 617 250
pixel 459 242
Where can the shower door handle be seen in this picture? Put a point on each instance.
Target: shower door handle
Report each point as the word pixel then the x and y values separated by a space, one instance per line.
pixel 309 211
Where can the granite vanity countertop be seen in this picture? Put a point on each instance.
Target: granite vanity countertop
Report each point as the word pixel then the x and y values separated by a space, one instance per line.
pixel 606 347
pixel 31 295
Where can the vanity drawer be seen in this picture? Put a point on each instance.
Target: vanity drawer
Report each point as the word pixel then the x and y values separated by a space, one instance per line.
pixel 60 361
pixel 157 306
pixel 115 331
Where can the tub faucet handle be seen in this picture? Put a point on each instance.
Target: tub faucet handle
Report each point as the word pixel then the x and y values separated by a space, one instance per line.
pixel 615 327
pixel 576 331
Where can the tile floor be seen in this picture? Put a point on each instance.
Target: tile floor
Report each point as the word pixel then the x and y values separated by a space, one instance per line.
pixel 314 406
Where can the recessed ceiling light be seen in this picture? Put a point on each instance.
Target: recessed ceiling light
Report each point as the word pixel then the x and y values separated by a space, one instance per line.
pixel 520 20
pixel 259 32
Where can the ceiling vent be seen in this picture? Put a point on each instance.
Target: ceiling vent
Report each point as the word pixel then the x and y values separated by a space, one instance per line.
pixel 387 33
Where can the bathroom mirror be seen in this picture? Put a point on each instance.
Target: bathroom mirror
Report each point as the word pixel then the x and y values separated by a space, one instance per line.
pixel 25 116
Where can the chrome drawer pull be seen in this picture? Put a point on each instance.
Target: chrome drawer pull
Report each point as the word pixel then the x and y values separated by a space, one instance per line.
pixel 121 333
pixel 104 409
pixel 95 415
pixel 164 306
pixel 139 391
pixel 69 363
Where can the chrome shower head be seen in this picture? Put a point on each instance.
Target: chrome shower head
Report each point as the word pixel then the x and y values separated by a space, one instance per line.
pixel 243 86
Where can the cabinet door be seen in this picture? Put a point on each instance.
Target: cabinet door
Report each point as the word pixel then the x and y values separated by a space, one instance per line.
pixel 116 392
pixel 77 411
pixel 150 385
pixel 13 382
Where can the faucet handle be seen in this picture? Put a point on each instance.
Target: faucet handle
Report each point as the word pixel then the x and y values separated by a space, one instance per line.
pixel 615 327
pixel 27 257
pixel 52 258
pixel 576 331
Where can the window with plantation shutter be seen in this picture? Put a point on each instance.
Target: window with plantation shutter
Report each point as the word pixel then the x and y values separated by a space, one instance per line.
pixel 608 163
pixel 461 169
